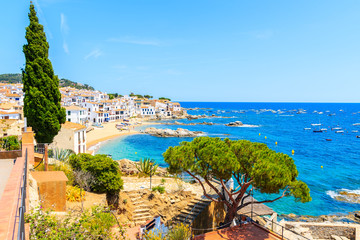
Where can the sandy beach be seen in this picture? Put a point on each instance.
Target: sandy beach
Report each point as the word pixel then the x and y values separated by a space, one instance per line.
pixel 109 131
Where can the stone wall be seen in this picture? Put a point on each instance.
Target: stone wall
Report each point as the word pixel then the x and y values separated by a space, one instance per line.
pixel 209 218
pixel 10 154
pixel 327 230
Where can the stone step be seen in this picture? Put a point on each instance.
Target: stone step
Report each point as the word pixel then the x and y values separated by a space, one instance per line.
pixel 142 206
pixel 189 213
pixel 141 214
pixel 137 218
pixel 135 199
pixel 143 222
pixel 137 203
pixel 141 210
pixel 182 217
pixel 203 203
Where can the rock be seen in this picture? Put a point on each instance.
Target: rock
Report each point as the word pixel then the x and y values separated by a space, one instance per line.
pixel 180 132
pixel 234 124
pixel 128 167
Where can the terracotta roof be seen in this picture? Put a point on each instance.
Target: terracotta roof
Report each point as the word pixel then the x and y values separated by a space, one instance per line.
pixel 7 113
pixel 7 105
pixel 73 107
pixel 246 231
pixel 12 95
pixel 73 126
pixel 93 102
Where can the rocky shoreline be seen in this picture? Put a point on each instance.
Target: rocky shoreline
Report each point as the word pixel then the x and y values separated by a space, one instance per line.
pixel 190 124
pixel 180 132
pixel 333 218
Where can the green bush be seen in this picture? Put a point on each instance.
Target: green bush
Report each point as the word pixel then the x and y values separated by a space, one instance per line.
pixel 95 224
pixel 62 154
pixel 146 167
pixel 67 170
pixel 160 189
pixel 179 232
pixel 106 173
pixel 10 143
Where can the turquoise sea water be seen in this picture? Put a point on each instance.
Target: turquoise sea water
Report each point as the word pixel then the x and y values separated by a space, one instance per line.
pixel 340 157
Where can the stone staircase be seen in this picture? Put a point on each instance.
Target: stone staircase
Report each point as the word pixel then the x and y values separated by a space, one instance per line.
pixel 192 210
pixel 141 213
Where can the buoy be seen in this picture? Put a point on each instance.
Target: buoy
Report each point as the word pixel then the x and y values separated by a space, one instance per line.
pixel 265 137
pixel 321 166
pixel 292 152
pixel 259 134
pixel 275 143
pixel 135 152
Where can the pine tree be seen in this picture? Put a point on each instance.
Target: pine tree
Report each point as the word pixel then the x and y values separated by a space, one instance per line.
pixel 42 106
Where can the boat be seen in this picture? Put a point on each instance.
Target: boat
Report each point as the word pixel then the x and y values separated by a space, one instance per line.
pixel 317 131
pixel 358 136
pixel 316 124
pixel 307 128
pixel 356 124
pixel 336 128
pixel 339 131
pixel 328 139
pixel 354 131
pixel 323 129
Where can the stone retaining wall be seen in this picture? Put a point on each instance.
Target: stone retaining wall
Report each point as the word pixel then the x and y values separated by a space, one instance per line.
pixel 326 230
pixel 10 154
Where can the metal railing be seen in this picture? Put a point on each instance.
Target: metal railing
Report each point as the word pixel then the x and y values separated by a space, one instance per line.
pixel 275 227
pixel 22 209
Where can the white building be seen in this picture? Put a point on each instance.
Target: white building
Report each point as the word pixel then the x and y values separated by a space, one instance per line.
pixel 76 114
pixel 71 136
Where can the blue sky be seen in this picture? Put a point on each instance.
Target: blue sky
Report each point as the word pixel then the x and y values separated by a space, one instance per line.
pixel 203 50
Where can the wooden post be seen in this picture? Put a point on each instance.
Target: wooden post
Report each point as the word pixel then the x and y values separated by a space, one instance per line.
pixel 46 157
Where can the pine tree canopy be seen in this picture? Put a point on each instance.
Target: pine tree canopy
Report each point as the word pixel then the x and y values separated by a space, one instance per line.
pixel 42 102
pixel 252 166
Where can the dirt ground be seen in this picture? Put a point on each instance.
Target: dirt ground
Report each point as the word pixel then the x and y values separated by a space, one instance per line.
pixel 169 204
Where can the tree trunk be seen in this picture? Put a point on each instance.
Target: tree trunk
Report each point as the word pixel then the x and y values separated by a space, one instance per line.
pixel 112 200
pixel 230 215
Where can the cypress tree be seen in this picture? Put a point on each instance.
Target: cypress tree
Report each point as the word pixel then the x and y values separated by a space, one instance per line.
pixel 42 102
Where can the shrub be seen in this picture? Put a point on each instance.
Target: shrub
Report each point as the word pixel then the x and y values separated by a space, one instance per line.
pixel 146 167
pixel 10 143
pixel 62 154
pixel 67 170
pixel 160 189
pixel 163 181
pixel 74 194
pixel 106 173
pixel 154 236
pixel 94 224
pixel 179 232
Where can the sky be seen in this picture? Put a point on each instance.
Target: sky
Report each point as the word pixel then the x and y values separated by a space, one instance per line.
pixel 197 50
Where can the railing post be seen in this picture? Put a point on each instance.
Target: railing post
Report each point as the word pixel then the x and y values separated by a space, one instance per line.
pixel 272 224
pixel 46 156
pixel 282 232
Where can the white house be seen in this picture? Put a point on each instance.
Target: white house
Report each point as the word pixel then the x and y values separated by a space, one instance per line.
pixel 76 114
pixel 10 115
pixel 71 136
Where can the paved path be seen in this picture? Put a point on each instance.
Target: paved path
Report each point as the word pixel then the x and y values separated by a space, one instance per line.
pixel 5 170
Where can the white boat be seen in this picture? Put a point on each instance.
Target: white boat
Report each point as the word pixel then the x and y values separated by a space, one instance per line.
pixel 323 129
pixel 356 124
pixel 336 128
pixel 316 124
pixel 354 131
pixel 307 128
pixel 340 131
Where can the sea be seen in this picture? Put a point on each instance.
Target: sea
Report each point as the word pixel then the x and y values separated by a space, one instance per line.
pixel 328 161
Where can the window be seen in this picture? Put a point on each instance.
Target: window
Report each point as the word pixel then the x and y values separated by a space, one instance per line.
pixel 69 120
